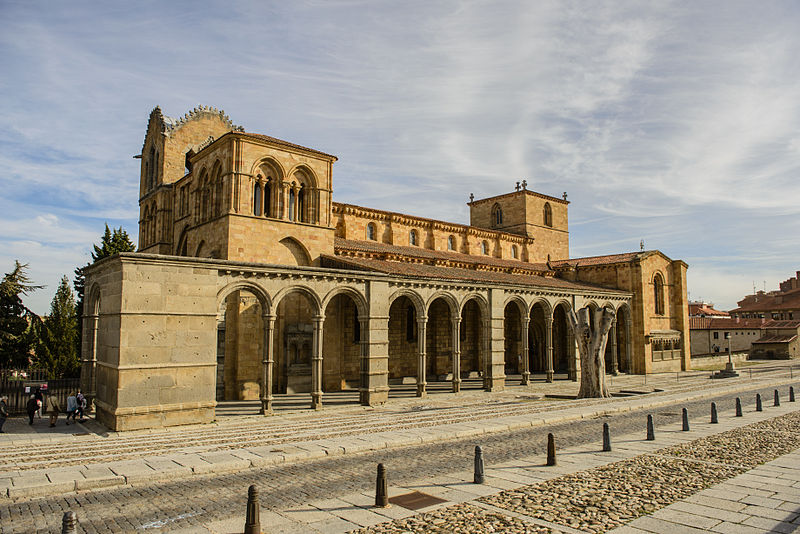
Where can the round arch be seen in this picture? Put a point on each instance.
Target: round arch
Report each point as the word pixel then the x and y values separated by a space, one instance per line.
pixel 519 302
pixel 306 172
pixel 481 300
pixel 256 290
pixel 304 290
pixel 448 298
pixel 414 297
pixel 270 162
pixel 358 298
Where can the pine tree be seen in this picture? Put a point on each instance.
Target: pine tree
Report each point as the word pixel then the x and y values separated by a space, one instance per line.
pixel 111 243
pixel 18 324
pixel 57 351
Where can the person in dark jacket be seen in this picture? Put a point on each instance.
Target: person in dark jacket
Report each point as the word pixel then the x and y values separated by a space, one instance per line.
pixel 31 408
pixel 3 411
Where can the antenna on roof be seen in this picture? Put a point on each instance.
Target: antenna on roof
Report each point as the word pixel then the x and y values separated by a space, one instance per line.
pixel 641 245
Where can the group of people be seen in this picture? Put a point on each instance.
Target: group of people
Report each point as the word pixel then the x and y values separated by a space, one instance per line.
pixel 76 406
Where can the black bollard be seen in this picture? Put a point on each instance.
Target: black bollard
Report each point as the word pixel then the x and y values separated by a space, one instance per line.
pixel 551 449
pixel 651 433
pixel 479 477
pixel 714 419
pixel 738 407
pixel 252 522
pixel 69 523
pixel 759 408
pixel 606 438
pixel 685 427
pixel 791 393
pixel 381 492
pixel 777 401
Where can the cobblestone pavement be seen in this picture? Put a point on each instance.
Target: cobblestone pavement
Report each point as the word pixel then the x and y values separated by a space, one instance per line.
pixel 200 499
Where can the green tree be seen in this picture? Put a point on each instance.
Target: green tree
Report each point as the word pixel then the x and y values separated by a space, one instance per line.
pixel 18 324
pixel 112 242
pixel 57 352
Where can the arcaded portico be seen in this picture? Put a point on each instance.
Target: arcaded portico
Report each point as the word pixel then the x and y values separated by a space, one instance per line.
pixel 250 282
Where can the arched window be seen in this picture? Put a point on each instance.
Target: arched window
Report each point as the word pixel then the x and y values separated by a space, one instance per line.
pixel 301 205
pixel 291 204
pixel 268 198
pixel 451 243
pixel 411 324
pixel 484 248
pixel 514 253
pixel 412 238
pixel 497 215
pixel 548 214
pixel 371 231
pixel 658 293
pixel 257 199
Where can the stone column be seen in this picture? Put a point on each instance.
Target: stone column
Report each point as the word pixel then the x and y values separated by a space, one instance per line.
pixel 612 335
pixel 526 371
pixel 422 383
pixel 316 364
pixel 456 322
pixel 267 365
pixel 548 340
pixel 628 352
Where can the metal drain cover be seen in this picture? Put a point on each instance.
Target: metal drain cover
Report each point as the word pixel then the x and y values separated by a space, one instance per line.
pixel 416 500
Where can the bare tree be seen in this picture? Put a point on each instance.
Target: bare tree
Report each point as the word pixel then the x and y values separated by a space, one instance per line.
pixel 591 337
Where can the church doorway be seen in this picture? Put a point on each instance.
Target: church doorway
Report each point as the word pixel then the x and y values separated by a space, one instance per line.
pixel 472 344
pixel 294 343
pixel 240 347
pixel 537 340
pixel 439 342
pixel 342 347
pixel 403 346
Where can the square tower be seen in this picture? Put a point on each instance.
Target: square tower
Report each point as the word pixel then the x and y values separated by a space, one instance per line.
pixel 530 214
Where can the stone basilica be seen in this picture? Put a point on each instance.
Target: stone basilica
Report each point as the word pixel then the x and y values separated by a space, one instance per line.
pixel 250 282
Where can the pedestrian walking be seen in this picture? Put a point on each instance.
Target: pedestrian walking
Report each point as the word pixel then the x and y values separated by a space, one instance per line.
pixel 72 406
pixel 3 411
pixel 53 408
pixel 81 405
pixel 39 402
pixel 31 408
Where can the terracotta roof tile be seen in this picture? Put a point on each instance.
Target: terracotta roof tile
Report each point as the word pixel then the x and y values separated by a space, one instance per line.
pixel 776 339
pixel 775 323
pixel 435 272
pixel 698 309
pixel 723 323
pixel 597 260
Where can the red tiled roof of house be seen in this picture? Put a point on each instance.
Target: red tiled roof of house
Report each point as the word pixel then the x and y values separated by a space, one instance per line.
pixel 697 309
pixel 384 251
pixel 437 272
pixel 723 323
pixel 775 323
pixel 767 302
pixel 776 339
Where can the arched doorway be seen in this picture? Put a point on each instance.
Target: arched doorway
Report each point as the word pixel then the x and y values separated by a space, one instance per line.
pixel 403 346
pixel 240 346
pixel 341 345
pixel 439 342
pixel 537 339
pixel 297 324
pixel 471 344
pixel 561 349
pixel 512 333
pixel 623 332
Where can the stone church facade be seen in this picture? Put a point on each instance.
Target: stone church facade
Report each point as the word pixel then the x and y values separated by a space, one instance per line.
pixel 251 282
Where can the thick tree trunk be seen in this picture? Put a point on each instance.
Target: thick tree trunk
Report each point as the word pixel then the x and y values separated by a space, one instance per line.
pixel 591 339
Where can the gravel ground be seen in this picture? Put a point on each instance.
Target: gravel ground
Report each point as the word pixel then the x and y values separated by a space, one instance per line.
pixel 462 518
pixel 610 496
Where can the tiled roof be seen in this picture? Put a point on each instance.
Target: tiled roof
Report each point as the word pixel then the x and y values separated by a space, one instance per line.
pixel 698 309
pixel 597 260
pixel 436 272
pixel 776 339
pixel 720 323
pixel 782 324
pixel 284 143
pixel 763 302
pixel 384 251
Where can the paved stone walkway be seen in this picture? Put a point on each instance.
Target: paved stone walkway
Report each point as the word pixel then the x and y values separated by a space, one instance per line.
pixel 763 499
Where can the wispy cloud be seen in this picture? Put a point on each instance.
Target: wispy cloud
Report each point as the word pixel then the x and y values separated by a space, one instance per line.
pixel 672 122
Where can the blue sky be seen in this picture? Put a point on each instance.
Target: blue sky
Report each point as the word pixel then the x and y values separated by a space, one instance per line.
pixel 677 122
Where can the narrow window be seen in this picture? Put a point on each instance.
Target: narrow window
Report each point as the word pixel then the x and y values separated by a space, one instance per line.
pixel 485 248
pixel 291 205
pixel 411 323
pixel 497 215
pixel 301 205
pixel 658 296
pixel 451 243
pixel 412 238
pixel 371 231
pixel 257 199
pixel 268 198
pixel 548 215
pixel 514 252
